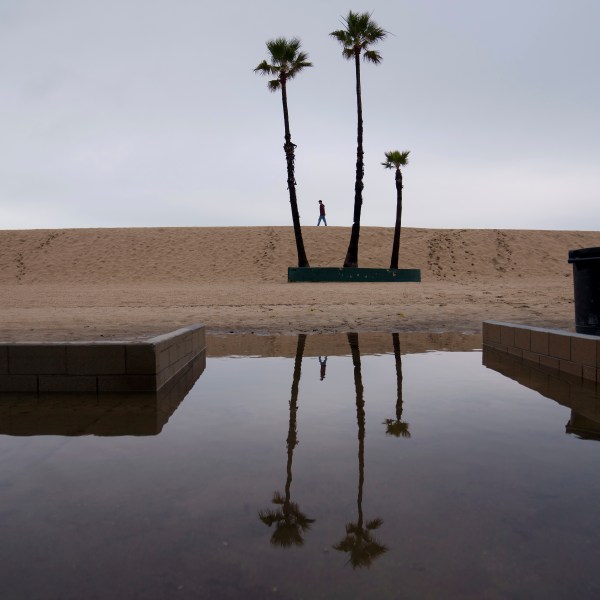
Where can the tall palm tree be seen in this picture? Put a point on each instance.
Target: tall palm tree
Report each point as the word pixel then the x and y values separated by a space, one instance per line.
pixel 286 61
pixel 359 541
pixel 397 427
pixel 290 522
pixel 394 160
pixel 359 34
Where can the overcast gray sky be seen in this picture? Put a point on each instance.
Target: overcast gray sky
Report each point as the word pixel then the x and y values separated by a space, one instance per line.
pixel 127 113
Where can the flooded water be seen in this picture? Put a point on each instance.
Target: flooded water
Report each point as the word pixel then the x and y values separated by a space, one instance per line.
pixel 309 467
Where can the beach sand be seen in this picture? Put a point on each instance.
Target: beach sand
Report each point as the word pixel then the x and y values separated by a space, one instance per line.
pixel 121 283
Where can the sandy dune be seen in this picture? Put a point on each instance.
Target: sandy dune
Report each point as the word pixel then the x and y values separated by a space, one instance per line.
pixel 87 283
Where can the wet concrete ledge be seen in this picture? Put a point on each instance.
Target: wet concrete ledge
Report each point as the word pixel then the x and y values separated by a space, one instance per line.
pixel 144 365
pixel 573 353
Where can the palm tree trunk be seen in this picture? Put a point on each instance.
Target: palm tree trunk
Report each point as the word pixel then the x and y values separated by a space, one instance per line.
pixel 292 437
pixel 360 417
pixel 396 244
pixel 398 360
pixel 288 148
pixel 352 253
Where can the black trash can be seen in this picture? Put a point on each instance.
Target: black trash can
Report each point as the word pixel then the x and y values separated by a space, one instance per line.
pixel 586 283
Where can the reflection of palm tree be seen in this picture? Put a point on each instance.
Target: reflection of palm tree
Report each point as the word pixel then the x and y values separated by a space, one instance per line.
pixel 359 542
pixel 323 363
pixel 290 522
pixel 397 427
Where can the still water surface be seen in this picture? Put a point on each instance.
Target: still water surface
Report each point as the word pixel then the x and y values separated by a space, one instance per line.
pixel 379 475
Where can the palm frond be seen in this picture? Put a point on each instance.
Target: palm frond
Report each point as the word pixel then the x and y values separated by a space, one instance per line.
pixel 372 56
pixel 264 68
pixel 290 522
pixel 302 59
pixel 352 528
pixel 283 50
pixel 342 36
pixel 286 60
pixel 348 53
pixel 298 65
pixel 374 523
pixel 274 85
pixel 395 427
pixel 359 32
pixel 356 22
pixel 287 535
pixel 373 33
pixel 395 158
pixel 268 517
pixel 362 547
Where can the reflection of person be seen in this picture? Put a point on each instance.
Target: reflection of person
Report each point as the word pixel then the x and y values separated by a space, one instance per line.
pixel 323 362
pixel 321 214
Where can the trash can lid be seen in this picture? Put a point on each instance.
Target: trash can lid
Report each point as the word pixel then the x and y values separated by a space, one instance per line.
pixel 584 254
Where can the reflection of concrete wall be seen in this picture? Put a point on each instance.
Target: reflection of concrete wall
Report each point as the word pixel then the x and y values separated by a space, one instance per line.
pixel 572 353
pixel 127 366
pixel 583 427
pixel 97 414
pixel 580 395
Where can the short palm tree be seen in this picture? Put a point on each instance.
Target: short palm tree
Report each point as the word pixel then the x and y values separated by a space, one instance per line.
pixel 286 61
pixel 397 427
pixel 359 34
pixel 394 160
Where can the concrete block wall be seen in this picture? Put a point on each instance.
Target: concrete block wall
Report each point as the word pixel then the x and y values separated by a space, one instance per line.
pixel 173 352
pixel 75 414
pixel 97 367
pixel 573 353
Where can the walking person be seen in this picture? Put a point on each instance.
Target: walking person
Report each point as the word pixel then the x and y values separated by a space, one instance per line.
pixel 321 214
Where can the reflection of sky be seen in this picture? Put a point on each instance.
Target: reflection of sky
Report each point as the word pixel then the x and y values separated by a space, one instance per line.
pixel 486 497
pixel 135 114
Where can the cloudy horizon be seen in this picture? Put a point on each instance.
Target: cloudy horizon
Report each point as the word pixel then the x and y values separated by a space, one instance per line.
pixel 137 114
